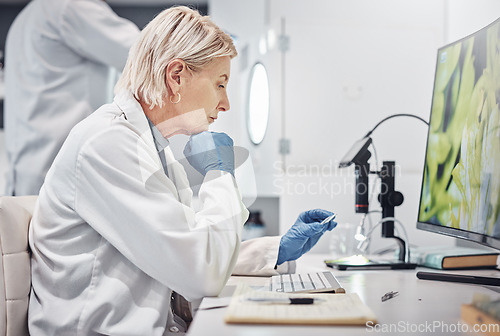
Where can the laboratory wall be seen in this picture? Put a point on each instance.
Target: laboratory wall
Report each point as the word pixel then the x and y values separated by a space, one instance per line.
pixel 336 68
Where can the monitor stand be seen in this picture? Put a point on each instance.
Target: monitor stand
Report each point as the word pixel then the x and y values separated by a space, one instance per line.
pixel 462 278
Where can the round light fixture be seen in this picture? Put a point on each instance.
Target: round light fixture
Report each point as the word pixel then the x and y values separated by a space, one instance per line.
pixel 258 103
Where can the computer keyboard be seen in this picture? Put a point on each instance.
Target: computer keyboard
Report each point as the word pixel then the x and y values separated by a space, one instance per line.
pixel 315 282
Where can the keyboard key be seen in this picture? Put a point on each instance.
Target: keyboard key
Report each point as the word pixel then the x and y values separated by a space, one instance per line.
pixel 296 283
pixel 323 279
pixel 287 283
pixel 306 282
pixel 276 284
pixel 316 281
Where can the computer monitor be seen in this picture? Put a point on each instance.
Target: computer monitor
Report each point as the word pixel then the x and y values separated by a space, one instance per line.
pixel 460 192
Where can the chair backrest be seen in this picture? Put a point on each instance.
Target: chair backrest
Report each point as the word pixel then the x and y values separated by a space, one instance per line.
pixel 15 273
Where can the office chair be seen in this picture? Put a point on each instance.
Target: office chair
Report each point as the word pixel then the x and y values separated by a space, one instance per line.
pixel 15 273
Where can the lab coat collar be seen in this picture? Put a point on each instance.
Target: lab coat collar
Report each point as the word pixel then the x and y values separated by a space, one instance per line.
pixel 160 141
pixel 135 115
pixel 133 112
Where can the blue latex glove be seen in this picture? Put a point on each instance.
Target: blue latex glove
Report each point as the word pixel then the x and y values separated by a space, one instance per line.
pixel 304 234
pixel 210 151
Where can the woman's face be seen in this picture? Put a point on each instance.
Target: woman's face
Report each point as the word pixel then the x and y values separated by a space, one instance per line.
pixel 207 89
pixel 203 96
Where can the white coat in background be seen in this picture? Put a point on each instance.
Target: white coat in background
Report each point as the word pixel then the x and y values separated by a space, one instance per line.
pixel 58 54
pixel 112 235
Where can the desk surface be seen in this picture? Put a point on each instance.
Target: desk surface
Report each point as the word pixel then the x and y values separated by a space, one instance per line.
pixel 422 306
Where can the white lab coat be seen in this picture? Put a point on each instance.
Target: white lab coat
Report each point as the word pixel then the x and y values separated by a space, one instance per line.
pixel 58 54
pixel 112 235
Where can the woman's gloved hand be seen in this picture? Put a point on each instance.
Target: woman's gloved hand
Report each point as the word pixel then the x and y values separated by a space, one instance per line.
pixel 210 151
pixel 304 234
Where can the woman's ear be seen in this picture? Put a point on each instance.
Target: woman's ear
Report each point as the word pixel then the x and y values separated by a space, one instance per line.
pixel 176 74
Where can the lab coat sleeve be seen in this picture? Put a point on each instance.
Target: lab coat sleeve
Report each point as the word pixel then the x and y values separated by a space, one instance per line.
pixel 125 196
pixel 258 258
pixel 94 31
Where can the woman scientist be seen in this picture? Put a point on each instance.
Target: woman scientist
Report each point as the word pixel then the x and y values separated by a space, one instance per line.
pixel 113 234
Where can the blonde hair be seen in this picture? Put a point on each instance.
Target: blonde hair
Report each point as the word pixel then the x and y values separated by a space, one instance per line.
pixel 176 33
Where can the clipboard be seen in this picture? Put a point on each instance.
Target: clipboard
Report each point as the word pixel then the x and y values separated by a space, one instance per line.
pixel 328 309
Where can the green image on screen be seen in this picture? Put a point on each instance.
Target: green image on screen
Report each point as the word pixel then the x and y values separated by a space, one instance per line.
pixel 461 182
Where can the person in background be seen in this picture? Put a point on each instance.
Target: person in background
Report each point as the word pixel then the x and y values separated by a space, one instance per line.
pixel 58 54
pixel 116 247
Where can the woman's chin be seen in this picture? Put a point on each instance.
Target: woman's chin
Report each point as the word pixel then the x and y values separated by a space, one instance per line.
pixel 198 129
